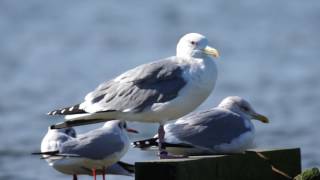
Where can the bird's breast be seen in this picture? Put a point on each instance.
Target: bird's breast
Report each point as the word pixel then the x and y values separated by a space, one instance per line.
pixel 202 74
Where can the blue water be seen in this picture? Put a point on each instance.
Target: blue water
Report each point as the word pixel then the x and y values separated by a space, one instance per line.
pixel 53 52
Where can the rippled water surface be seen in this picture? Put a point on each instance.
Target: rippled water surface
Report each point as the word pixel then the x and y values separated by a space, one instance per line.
pixel 53 52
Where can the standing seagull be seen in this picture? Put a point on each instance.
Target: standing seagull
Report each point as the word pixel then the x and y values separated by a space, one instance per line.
pixel 95 151
pixel 155 92
pixel 54 139
pixel 222 130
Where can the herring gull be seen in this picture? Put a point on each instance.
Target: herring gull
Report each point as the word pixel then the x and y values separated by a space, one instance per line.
pixel 225 129
pixel 155 92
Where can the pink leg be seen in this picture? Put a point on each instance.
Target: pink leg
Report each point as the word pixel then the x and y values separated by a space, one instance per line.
pixel 94 174
pixel 75 177
pixel 162 149
pixel 103 173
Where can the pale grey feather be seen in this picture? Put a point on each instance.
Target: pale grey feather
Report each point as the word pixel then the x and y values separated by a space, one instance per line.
pixel 207 128
pixel 139 88
pixel 96 144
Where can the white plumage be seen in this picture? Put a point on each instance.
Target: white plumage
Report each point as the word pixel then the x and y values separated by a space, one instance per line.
pixel 155 92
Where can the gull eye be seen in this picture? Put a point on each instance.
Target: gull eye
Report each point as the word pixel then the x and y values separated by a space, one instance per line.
pixel 245 108
pixel 193 43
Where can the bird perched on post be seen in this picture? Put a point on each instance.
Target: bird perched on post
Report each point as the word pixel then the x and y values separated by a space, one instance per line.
pixel 155 92
pixel 224 129
pixel 92 153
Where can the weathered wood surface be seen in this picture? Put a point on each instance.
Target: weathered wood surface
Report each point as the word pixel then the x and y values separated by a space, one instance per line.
pixel 264 165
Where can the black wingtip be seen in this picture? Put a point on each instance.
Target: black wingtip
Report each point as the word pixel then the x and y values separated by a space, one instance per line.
pixel 153 142
pixel 146 143
pixel 45 153
pixel 36 153
pixel 78 122
pixel 67 111
pixel 59 125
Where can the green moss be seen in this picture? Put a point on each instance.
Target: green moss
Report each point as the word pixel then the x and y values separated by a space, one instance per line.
pixel 309 174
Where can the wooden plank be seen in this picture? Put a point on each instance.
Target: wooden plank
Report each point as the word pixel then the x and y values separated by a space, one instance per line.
pixel 264 165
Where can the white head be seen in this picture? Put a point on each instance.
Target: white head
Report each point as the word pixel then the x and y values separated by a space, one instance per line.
pixel 122 125
pixel 195 45
pixel 241 106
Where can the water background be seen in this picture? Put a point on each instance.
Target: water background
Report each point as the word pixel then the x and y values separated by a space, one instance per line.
pixel 54 52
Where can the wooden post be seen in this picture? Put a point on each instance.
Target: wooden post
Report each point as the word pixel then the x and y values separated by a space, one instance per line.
pixel 253 165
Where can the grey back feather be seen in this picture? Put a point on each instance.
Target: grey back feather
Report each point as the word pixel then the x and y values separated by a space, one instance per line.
pixel 97 144
pixel 139 88
pixel 207 128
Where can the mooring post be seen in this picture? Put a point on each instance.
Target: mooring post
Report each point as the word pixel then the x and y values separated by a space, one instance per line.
pixel 281 164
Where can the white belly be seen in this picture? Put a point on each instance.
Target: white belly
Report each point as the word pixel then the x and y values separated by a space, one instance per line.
pixel 78 165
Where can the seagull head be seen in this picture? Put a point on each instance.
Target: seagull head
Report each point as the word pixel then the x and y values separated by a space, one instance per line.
pixel 195 45
pixel 241 106
pixel 68 131
pixel 122 125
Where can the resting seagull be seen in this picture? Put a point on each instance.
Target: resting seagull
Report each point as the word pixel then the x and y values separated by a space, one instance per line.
pixel 155 92
pixel 225 129
pixel 95 152
pixel 53 140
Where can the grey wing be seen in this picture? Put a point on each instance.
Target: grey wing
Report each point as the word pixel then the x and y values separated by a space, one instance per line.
pixel 96 144
pixel 138 89
pixel 207 128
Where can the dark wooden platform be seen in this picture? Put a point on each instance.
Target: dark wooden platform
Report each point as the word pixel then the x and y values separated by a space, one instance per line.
pixel 281 164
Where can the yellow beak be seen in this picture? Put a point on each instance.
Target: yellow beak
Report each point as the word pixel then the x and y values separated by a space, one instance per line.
pixel 260 117
pixel 211 51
